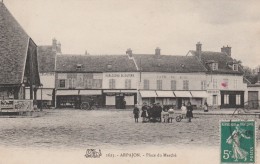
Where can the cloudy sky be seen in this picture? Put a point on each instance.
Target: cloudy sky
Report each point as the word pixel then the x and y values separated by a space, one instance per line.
pixel 112 26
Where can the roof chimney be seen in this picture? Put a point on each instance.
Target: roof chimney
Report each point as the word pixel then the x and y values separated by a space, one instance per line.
pixel 129 52
pixel 157 51
pixel 58 48
pixel 54 44
pixel 198 49
pixel 226 50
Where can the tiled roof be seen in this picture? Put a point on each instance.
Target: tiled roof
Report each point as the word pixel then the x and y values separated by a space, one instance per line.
pixel 95 63
pixel 13 48
pixel 168 63
pixel 46 59
pixel 221 58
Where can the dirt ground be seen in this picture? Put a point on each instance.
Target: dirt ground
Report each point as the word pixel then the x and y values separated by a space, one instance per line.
pixel 109 128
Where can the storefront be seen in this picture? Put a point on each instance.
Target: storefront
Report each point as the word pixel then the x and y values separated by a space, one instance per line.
pixel 182 97
pixel 232 99
pixel 148 97
pixel 198 98
pixel 166 98
pixel 120 99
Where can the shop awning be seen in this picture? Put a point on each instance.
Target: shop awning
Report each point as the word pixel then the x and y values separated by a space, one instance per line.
pixel 165 94
pixel 128 91
pixel 90 92
pixel 111 91
pixel 148 94
pixel 182 94
pixel 199 94
pixel 44 94
pixel 67 92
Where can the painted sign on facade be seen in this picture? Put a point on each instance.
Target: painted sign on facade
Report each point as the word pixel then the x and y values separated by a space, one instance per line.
pixel 16 105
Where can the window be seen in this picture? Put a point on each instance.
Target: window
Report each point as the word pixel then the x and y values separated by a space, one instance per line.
pixel 235 83
pixel 235 67
pixel 146 84
pixel 215 83
pixel 62 83
pixel 71 83
pixel 159 84
pixel 173 84
pixel 215 99
pixel 127 83
pixel 203 85
pixel 226 99
pixel 238 99
pixel 214 66
pixel 112 83
pixel 79 67
pixel 185 84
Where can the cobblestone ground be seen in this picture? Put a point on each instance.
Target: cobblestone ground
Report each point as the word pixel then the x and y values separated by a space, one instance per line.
pixel 109 128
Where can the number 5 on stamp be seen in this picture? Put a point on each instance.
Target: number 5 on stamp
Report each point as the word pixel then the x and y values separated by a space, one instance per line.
pixel 237 139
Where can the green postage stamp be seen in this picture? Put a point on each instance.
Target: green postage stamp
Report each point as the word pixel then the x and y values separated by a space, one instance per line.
pixel 237 142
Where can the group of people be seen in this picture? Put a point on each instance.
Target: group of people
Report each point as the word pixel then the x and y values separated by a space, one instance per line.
pixel 155 113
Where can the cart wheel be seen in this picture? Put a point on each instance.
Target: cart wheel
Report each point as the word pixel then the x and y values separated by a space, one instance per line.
pixel 178 118
pixel 85 106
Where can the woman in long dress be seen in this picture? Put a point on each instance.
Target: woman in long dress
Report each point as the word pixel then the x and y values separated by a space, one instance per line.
pixel 234 139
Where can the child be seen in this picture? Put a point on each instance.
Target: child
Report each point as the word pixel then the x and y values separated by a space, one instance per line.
pixel 183 110
pixel 171 112
pixel 136 113
pixel 165 115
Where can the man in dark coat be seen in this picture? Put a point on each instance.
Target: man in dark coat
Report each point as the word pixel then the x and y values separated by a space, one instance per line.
pixel 189 113
pixel 136 112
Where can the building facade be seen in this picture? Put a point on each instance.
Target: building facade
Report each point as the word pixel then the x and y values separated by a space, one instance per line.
pixel 225 86
pixel 170 80
pixel 107 79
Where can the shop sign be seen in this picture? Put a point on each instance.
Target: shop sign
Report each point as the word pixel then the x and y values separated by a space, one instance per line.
pixel 213 92
pixel 120 75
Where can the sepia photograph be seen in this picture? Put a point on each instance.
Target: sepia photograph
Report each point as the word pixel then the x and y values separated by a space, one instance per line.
pixel 129 81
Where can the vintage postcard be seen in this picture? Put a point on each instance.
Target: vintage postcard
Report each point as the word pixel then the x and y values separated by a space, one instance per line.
pixel 129 81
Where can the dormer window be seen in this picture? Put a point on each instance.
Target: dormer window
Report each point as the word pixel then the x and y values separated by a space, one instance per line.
pixel 235 67
pixel 79 67
pixel 214 66
pixel 109 66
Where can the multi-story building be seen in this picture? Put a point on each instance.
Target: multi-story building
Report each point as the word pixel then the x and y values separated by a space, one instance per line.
pixel 108 79
pixel 170 80
pixel 224 82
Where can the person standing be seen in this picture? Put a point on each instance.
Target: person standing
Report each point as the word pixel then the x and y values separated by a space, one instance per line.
pixel 144 110
pixel 206 107
pixel 171 114
pixel 123 104
pixel 136 113
pixel 189 113
pixel 183 110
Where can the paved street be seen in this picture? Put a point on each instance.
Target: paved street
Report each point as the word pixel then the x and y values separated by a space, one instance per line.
pixel 109 128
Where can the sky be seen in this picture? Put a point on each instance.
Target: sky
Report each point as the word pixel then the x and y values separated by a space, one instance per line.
pixel 113 26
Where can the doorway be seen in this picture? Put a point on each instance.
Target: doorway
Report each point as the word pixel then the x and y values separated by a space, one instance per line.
pixel 119 101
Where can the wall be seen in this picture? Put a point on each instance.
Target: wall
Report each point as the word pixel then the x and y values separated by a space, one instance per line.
pixel 120 78
pixel 193 78
pixel 80 80
pixel 221 84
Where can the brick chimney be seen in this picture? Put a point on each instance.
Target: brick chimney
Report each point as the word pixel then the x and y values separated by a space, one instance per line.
pixel 226 50
pixel 58 48
pixel 54 45
pixel 129 52
pixel 198 49
pixel 157 51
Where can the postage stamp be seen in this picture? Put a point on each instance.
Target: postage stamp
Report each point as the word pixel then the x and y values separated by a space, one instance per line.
pixel 237 142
